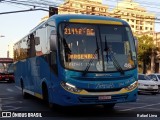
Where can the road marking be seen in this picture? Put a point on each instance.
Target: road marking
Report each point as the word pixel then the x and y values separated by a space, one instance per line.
pixel 10 90
pixel 11 108
pixel 13 102
pixel 121 106
pixel 8 98
pixel 140 107
pixel 154 109
pixel 136 103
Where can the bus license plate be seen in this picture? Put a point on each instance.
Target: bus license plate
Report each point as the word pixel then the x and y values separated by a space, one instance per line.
pixel 104 97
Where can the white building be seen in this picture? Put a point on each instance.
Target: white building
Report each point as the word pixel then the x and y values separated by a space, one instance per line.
pixel 10 50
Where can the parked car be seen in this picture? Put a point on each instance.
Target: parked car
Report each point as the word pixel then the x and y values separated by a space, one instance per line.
pixel 155 77
pixel 145 84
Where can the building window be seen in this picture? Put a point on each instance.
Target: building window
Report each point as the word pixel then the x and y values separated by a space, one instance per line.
pixel 125 13
pixel 81 6
pixel 132 26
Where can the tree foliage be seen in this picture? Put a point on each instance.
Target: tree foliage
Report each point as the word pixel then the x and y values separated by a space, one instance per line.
pixel 145 47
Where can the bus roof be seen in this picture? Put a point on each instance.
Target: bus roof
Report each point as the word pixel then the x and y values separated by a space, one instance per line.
pixel 74 17
pixel 68 17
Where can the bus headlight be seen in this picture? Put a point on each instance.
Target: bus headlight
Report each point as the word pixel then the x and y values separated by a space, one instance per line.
pixel 132 86
pixel 69 87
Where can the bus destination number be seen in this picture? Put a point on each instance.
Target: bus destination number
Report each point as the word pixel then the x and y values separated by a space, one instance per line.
pixel 79 31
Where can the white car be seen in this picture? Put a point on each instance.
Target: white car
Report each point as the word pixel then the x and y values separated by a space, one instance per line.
pixel 145 84
pixel 156 78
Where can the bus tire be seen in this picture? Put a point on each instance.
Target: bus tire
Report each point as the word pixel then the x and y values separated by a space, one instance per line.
pixel 45 94
pixel 109 106
pixel 46 97
pixel 153 93
pixel 24 94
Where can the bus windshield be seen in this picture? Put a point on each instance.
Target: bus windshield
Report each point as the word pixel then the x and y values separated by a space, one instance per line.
pixel 4 67
pixel 101 47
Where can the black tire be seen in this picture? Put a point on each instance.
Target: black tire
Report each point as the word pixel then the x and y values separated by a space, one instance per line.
pixel 158 89
pixel 24 94
pixel 109 106
pixel 46 98
pixel 154 93
pixel 45 94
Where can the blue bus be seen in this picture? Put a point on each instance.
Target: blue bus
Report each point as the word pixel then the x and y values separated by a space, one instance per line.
pixel 78 60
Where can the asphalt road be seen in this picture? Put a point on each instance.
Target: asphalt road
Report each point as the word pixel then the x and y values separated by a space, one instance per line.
pixel 11 102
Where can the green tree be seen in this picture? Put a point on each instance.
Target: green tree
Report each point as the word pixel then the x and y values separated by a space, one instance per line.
pixel 145 50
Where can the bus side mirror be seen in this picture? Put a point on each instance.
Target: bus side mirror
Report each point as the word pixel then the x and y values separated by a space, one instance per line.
pixel 53 43
pixel 53 58
pixel 136 43
pixel 37 40
pixel 53 61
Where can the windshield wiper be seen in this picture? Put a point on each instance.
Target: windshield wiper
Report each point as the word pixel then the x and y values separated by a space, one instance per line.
pixel 91 60
pixel 115 62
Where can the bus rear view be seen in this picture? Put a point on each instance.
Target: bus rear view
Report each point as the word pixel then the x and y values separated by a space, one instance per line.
pixel 6 70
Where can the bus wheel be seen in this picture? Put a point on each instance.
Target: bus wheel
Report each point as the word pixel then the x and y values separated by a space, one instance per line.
pixel 45 94
pixel 109 106
pixel 24 94
pixel 46 97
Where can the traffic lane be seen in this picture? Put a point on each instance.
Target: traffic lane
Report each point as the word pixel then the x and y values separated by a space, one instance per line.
pixel 4 86
pixel 11 99
pixel 145 102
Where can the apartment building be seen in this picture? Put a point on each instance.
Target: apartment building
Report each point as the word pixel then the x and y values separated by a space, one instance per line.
pixel 141 21
pixel 10 50
pixel 92 7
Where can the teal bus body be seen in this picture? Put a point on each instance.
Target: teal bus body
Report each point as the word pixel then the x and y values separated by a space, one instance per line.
pixel 49 67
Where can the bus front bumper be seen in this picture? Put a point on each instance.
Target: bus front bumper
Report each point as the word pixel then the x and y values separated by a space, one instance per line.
pixel 66 98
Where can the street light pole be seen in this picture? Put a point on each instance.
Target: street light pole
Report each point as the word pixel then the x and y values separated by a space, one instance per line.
pixel 2 36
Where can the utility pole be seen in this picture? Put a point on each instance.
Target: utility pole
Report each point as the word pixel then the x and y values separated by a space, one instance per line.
pixel 8 52
pixel 2 36
pixel 152 61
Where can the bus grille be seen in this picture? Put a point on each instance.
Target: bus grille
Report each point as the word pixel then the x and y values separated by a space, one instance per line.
pixel 103 90
pixel 94 99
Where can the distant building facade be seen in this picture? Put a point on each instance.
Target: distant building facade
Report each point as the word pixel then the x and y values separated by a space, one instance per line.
pixel 138 18
pixel 92 7
pixel 157 39
pixel 10 50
